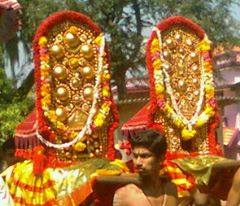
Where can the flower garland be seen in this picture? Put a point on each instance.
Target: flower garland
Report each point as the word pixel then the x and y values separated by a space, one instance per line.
pixel 46 94
pixel 206 89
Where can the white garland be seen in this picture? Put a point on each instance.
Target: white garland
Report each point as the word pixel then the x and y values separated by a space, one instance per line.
pixel 92 111
pixel 169 89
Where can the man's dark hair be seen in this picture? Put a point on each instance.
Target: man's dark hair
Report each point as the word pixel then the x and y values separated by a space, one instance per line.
pixel 152 140
pixel 8 145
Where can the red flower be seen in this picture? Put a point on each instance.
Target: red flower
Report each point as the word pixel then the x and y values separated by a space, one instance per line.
pixel 126 146
pixel 213 102
pixel 160 103
pixel 206 56
pixel 155 56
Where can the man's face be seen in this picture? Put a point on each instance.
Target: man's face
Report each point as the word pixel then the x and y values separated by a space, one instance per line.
pixel 145 162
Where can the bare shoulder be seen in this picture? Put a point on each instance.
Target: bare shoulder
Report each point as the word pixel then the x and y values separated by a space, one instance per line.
pixel 170 188
pixel 127 189
pixel 236 180
pixel 171 192
pixel 237 174
pixel 124 195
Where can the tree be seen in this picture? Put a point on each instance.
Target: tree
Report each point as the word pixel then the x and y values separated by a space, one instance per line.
pixel 12 110
pixel 123 22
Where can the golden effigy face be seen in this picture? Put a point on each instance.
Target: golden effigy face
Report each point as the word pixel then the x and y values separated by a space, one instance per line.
pixel 180 76
pixel 71 66
pixel 73 57
pixel 183 65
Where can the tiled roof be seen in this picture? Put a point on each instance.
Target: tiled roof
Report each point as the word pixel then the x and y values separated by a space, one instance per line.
pixel 146 99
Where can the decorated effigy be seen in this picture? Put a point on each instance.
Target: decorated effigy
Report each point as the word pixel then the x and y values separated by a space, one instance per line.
pixel 182 103
pixel 182 100
pixel 68 138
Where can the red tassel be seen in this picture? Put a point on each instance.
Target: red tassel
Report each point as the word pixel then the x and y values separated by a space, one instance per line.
pixel 215 149
pixel 39 160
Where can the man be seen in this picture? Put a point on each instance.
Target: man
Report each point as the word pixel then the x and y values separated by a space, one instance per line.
pixel 149 150
pixel 234 193
pixel 9 4
pixel 6 159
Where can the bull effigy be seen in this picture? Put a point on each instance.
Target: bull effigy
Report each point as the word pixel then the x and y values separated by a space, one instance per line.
pixel 183 104
pixel 68 138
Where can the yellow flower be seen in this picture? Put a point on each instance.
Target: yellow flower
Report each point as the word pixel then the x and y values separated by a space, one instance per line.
pixel 159 88
pixel 60 125
pixel 73 29
pixel 98 40
pixel 106 76
pixel 79 146
pixel 210 95
pixel 209 88
pixel 73 135
pixel 209 110
pixel 105 92
pixel 210 91
pixel 106 107
pixel 168 109
pixel 157 64
pixel 154 46
pixel 42 41
pixel 178 122
pixel 188 134
pixel 155 42
pixel 98 122
pixel 204 45
pixel 52 116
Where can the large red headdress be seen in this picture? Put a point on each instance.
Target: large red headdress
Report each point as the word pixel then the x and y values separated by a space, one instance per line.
pixel 182 92
pixel 75 112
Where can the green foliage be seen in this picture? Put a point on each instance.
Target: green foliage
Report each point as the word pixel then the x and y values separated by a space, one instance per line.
pixel 34 12
pixel 124 21
pixel 11 114
pixel 214 16
pixel 12 109
pixel 5 87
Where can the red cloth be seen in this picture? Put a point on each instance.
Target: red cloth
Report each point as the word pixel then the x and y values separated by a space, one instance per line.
pixel 25 133
pixel 137 123
pixel 103 193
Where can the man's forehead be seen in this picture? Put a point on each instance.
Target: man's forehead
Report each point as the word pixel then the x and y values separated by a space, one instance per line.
pixel 141 150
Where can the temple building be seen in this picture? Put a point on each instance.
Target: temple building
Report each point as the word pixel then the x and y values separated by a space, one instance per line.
pixel 227 65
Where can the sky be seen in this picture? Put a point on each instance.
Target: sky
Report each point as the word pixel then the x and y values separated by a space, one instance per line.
pixel 236 11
